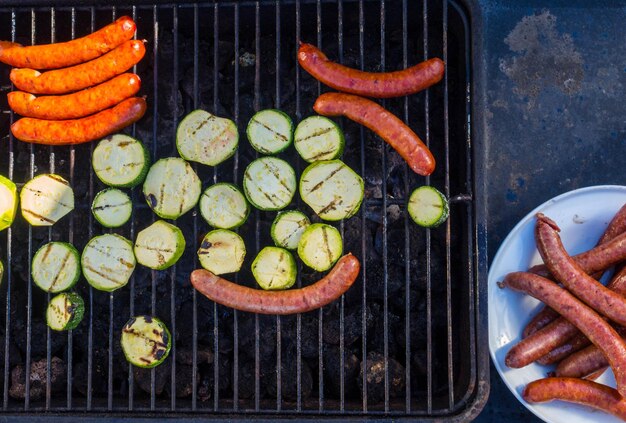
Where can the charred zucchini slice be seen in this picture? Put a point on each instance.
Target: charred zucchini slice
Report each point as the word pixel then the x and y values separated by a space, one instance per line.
pixel 269 183
pixel 274 268
pixel 205 138
pixel 108 262
pixel 428 207
pixel 112 208
pixel 270 131
pixel 45 199
pixel 288 227
pixel 320 246
pixel 222 251
pixel 56 267
pixel 318 138
pixel 65 311
pixel 121 161
pixel 160 245
pixel 223 206
pixel 146 341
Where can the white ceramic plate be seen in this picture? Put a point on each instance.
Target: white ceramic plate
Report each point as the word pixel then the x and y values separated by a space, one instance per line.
pixel 582 215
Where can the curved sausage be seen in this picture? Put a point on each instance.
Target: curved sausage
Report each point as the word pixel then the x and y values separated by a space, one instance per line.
pixel 62 81
pixel 574 344
pixel 539 343
pixel 382 122
pixel 582 316
pixel 573 277
pixel 370 84
pixel 60 55
pixel 326 290
pixel 76 105
pixel 77 131
pixel 542 319
pixel 579 391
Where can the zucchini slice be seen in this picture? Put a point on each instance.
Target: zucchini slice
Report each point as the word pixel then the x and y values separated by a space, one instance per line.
pixel 288 227
pixel 120 161
pixel 205 138
pixel 269 183
pixel 318 138
pixel 159 246
pixel 222 251
pixel 8 202
pixel 320 246
pixel 270 131
pixel 223 206
pixel 331 189
pixel 146 341
pixel 274 268
pixel 428 207
pixel 56 267
pixel 172 188
pixel 108 261
pixel 65 311
pixel 45 199
pixel 112 207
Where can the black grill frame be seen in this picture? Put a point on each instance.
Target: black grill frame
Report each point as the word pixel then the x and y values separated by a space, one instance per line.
pixel 475 394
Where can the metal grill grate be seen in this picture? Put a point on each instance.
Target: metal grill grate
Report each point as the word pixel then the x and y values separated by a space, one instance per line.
pixel 415 303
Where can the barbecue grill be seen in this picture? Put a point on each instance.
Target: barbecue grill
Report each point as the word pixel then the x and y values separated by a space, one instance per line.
pixel 413 321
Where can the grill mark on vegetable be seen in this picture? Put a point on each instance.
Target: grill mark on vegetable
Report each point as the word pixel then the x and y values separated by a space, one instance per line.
pixel 103 275
pixel 276 172
pixel 47 251
pixel 58 179
pixel 58 275
pixel 301 223
pixel 281 136
pixel 268 196
pixel 337 201
pixel 204 122
pixel 330 176
pixel 109 168
pixel 44 195
pixel 160 250
pixel 153 342
pixel 123 144
pixel 107 206
pixel 107 255
pixel 38 216
pixel 316 134
pixel 322 154
pixel 327 245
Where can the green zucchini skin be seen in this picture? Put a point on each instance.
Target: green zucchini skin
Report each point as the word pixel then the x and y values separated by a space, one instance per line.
pixel 146 341
pixel 121 161
pixel 270 131
pixel 65 311
pixel 8 202
pixel 269 183
pixel 63 259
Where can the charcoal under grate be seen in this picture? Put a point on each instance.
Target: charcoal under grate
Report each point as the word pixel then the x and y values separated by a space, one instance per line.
pixel 411 319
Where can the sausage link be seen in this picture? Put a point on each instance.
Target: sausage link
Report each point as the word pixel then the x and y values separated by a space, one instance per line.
pixel 579 391
pixel 60 55
pixel 76 105
pixel 329 288
pixel 77 131
pixel 370 84
pixel 573 277
pixel 63 81
pixel 616 227
pixel 382 122
pixel 539 343
pixel 574 344
pixel 582 316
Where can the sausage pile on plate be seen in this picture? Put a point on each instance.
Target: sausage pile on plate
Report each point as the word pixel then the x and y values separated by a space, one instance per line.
pixel 583 325
pixel 82 94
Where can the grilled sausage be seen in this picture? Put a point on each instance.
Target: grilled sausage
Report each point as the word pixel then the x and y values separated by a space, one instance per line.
pixel 574 344
pixel 369 84
pixel 81 76
pixel 585 392
pixel 573 277
pixel 542 319
pixel 382 122
pixel 329 288
pixel 60 55
pixel 76 105
pixel 77 131
pixel 582 316
pixel 539 343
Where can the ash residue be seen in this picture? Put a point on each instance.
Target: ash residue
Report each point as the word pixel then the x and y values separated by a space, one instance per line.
pixel 546 58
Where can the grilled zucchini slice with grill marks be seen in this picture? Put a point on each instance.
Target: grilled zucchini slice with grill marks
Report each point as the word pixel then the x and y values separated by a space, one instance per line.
pixel 269 183
pixel 222 251
pixel 320 246
pixel 159 246
pixel 146 341
pixel 121 161
pixel 223 206
pixel 108 262
pixel 318 138
pixel 428 207
pixel 270 131
pixel 205 138
pixel 45 199
pixel 274 268
pixel 65 311
pixel 112 208
pixel 288 227
pixel 331 189
pixel 56 267
pixel 8 202
pixel 172 188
